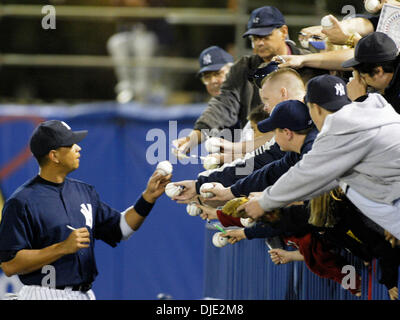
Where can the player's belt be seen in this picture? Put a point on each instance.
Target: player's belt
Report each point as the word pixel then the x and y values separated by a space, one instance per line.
pixel 84 287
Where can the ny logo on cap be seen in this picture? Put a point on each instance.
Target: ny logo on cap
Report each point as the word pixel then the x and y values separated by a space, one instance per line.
pixel 256 20
pixel 207 59
pixel 340 89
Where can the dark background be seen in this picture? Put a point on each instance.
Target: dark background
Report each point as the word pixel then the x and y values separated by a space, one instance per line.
pixel 77 36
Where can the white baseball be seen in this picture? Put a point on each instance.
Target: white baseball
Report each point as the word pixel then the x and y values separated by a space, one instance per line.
pixel 219 241
pixel 172 190
pixel 210 163
pixel 212 145
pixel 165 167
pixel 192 209
pixel 206 194
pixel 247 222
pixel 372 6
pixel 326 22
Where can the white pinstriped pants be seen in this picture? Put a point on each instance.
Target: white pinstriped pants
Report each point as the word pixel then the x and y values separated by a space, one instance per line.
pixel 46 293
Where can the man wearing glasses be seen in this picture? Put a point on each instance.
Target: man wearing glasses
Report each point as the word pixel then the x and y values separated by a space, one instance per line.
pixel 268 33
pixel 215 63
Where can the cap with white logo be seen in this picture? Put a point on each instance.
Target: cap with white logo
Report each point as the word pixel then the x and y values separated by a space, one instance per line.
pixel 263 21
pixel 53 134
pixel 213 59
pixel 329 92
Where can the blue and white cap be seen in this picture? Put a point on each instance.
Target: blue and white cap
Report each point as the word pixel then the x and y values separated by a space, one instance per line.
pixel 329 92
pixel 263 21
pixel 290 114
pixel 213 59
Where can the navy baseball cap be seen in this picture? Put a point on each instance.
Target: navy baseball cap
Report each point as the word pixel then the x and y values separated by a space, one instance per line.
pixel 213 59
pixel 329 92
pixel 257 76
pixel 263 21
pixel 290 114
pixel 51 135
pixel 373 48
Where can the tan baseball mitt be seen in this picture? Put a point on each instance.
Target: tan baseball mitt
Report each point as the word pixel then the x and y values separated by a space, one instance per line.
pixel 230 208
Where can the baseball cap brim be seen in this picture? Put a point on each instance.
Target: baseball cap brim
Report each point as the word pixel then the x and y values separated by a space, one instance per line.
pixel 350 63
pixel 214 67
pixel 260 31
pixel 265 126
pixel 336 105
pixel 333 105
pixel 76 137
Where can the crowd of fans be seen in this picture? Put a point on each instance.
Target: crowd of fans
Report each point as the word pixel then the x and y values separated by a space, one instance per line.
pixel 316 164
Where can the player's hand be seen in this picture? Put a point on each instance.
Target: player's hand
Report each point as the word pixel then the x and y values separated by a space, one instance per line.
pixel 286 61
pixel 252 208
pixel 220 192
pixel 207 213
pixel 234 235
pixel 188 193
pixel 156 186
pixel 78 239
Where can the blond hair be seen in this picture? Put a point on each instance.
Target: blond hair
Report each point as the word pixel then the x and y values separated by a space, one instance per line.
pixel 283 73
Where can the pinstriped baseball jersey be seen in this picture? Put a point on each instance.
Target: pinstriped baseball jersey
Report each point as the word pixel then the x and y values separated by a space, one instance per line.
pixel 36 216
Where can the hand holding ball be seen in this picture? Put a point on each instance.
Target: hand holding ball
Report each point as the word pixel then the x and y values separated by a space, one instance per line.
pixel 206 194
pixel 372 6
pixel 171 190
pixel 326 22
pixel 213 145
pixel 219 241
pixel 192 209
pixel 210 163
pixel 164 167
pixel 247 222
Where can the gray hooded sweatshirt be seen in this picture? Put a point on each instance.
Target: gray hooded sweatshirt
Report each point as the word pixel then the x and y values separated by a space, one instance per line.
pixel 358 145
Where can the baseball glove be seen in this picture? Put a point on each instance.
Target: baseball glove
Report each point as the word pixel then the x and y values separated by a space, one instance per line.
pixel 230 208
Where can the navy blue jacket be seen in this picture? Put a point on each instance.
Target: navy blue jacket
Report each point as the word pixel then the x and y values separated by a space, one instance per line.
pixel 230 174
pixel 269 174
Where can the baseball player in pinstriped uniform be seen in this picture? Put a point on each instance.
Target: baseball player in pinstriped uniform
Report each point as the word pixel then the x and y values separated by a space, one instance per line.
pixel 51 221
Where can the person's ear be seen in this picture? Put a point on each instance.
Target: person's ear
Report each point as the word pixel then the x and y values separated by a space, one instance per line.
pixel 53 156
pixel 378 72
pixel 288 133
pixel 284 31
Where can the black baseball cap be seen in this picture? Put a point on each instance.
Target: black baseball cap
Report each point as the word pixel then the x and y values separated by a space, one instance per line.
pixel 213 59
pixel 329 92
pixel 51 135
pixel 259 74
pixel 290 114
pixel 373 48
pixel 263 21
